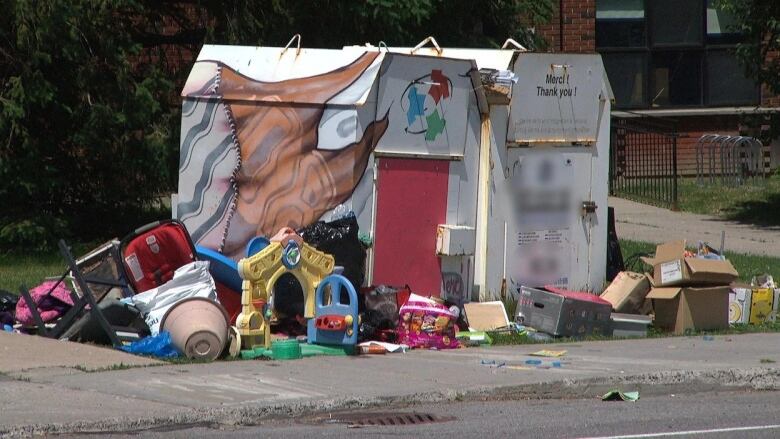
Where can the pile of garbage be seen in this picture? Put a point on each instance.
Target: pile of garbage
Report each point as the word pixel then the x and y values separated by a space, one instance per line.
pixel 295 294
pixel 299 293
pixel 684 290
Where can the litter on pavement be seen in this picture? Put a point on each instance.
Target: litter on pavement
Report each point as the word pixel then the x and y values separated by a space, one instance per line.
pixel 617 395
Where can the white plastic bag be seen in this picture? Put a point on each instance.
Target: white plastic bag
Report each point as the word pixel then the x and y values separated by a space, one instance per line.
pixel 191 280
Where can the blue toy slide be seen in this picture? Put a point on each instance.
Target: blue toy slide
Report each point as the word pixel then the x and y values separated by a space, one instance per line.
pixel 224 269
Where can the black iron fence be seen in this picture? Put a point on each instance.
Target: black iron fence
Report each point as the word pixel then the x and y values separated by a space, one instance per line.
pixel 643 160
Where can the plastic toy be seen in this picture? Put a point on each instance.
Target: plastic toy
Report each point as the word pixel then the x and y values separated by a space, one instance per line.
pixel 292 349
pixel 334 323
pixel 225 273
pixel 261 271
pixel 256 244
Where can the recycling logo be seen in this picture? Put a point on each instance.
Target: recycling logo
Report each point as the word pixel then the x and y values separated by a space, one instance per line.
pixel 425 102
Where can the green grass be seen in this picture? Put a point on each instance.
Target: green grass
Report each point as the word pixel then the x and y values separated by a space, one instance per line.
pixel 755 202
pixel 28 269
pixel 752 203
pixel 32 267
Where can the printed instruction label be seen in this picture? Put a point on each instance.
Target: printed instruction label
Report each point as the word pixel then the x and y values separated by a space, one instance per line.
pixel 541 257
pixel 135 267
pixel 671 272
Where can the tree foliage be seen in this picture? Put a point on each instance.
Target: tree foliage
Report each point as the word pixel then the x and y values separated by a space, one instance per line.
pixel 89 107
pixel 759 53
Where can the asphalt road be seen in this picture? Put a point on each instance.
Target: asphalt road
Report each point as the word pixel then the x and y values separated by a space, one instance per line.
pixel 704 415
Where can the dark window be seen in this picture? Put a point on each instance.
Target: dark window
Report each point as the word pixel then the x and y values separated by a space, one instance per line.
pixel 627 77
pixel 676 22
pixel 726 81
pixel 676 79
pixel 621 23
pixel 671 53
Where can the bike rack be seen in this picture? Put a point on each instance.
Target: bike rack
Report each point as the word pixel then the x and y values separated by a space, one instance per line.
pixel 734 159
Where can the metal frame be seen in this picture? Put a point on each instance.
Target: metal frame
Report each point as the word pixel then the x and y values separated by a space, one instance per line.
pixel 736 159
pixel 643 160
pixel 80 303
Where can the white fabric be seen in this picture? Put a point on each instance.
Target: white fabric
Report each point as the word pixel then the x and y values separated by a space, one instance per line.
pixel 191 280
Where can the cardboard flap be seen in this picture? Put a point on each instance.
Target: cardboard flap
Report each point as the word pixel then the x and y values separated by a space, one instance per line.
pixel 707 290
pixel 669 251
pixel 649 277
pixel 486 316
pixel 698 265
pixel 631 275
pixel 627 292
pixel 663 293
pixel 648 260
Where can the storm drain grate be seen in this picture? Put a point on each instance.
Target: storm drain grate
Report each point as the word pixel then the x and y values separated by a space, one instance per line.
pixel 386 419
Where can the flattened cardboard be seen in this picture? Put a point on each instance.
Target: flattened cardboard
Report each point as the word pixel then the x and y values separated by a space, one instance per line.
pixel 627 292
pixel 486 316
pixel 680 309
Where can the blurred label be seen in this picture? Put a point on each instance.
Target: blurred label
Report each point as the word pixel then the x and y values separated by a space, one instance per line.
pixel 541 258
pixel 539 248
pixel 671 272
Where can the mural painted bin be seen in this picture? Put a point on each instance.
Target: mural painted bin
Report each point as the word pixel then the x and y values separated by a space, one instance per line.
pixel 406 138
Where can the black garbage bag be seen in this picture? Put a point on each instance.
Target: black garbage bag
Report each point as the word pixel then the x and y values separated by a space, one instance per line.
pixel 7 308
pixel 340 239
pixel 614 256
pixel 8 301
pixel 374 325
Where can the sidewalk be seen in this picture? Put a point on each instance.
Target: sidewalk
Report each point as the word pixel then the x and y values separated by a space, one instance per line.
pixel 61 399
pixel 640 222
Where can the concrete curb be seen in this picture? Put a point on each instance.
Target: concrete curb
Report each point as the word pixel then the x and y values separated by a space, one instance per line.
pixel 657 383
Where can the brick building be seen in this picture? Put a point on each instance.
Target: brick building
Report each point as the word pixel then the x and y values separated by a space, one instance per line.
pixel 667 59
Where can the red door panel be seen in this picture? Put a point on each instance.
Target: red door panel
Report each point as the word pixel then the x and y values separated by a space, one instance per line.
pixel 411 203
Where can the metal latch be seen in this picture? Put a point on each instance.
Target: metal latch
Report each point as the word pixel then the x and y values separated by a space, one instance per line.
pixel 588 207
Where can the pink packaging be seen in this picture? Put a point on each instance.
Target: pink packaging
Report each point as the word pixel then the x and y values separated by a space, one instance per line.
pixel 423 323
pixel 50 308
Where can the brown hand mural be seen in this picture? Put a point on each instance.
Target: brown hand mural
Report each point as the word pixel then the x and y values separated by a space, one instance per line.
pixel 284 180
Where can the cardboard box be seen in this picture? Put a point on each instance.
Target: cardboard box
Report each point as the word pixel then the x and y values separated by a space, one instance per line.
pixel 670 268
pixel 761 303
pixel 564 313
pixel 679 309
pixel 739 304
pixel 627 292
pixel 630 325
